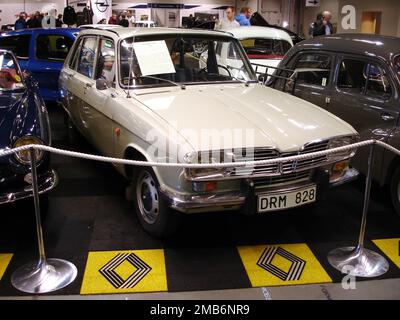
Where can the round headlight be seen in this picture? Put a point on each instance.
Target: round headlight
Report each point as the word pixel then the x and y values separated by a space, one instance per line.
pixel 23 157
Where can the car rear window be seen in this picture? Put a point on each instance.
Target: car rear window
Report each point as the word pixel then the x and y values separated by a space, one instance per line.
pixel 18 44
pixel 257 48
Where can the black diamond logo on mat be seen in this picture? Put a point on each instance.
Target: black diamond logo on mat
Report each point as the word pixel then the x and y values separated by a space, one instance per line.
pixel 108 271
pixel 295 270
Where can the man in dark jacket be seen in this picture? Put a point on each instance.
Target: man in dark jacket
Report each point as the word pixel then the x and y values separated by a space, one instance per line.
pixel 21 22
pixel 124 22
pixel 323 27
pixel 35 21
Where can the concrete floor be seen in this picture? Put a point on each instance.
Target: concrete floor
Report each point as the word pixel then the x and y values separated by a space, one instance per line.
pixel 387 289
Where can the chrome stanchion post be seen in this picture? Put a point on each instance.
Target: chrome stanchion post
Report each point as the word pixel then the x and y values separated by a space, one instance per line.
pixel 44 275
pixel 358 261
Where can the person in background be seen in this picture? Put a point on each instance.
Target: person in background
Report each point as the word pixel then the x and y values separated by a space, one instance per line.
pixel 190 21
pixel 324 26
pixel 244 17
pixel 35 20
pixel 314 24
pixel 124 22
pixel 113 19
pixel 131 18
pixel 21 22
pixel 229 20
pixel 59 21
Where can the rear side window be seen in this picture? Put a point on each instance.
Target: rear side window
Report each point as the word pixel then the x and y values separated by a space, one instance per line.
pixel 53 46
pixel 18 44
pixel 313 68
pixel 353 75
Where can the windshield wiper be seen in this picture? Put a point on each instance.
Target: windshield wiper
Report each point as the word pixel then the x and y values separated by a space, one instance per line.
pixel 182 86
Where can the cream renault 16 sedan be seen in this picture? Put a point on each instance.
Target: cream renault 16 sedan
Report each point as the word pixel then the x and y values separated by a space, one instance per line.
pixel 167 95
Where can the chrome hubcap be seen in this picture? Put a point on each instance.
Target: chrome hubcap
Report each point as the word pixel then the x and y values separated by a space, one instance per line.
pixel 147 197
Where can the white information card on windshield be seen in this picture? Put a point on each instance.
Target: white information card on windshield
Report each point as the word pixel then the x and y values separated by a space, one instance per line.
pixel 153 57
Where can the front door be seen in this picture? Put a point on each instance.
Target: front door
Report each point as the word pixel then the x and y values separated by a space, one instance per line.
pixel 313 77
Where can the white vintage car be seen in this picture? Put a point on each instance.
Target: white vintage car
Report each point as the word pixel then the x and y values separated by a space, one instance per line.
pixel 152 94
pixel 264 46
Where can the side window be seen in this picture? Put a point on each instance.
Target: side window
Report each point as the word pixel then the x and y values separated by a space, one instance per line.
pixel 53 46
pixel 352 75
pixel 105 66
pixel 378 85
pixel 87 56
pixel 313 68
pixel 18 44
pixel 74 56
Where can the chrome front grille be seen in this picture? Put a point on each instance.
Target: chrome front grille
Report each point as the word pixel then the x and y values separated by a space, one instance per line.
pixel 282 168
pixel 296 177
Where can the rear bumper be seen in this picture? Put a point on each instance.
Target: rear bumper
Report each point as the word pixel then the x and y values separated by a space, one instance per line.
pixel 46 182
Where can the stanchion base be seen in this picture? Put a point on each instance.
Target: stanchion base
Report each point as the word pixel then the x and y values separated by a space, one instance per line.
pixel 358 261
pixel 52 275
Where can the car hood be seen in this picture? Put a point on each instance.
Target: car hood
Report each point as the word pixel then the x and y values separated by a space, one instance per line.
pixel 275 119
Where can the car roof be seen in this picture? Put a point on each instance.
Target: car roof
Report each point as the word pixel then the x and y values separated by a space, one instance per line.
pixel 124 32
pixel 40 30
pixel 259 32
pixel 356 43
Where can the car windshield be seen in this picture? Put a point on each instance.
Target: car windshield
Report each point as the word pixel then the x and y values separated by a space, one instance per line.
pixel 163 60
pixel 264 48
pixel 10 77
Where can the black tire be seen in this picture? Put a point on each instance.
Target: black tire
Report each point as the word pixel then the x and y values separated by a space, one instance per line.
pixel 395 190
pixel 153 212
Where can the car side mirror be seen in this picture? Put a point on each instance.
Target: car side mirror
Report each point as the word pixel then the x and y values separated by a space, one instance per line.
pixel 101 84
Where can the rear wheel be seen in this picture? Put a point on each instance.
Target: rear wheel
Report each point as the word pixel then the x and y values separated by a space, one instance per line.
pixel 152 210
pixel 395 190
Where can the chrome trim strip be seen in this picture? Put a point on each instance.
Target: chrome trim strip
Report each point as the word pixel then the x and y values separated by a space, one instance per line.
pixel 45 186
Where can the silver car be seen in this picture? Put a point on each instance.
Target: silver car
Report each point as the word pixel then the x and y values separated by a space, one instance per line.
pixel 156 94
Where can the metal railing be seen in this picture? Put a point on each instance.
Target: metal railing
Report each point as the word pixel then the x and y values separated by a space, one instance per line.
pixel 288 76
pixel 46 275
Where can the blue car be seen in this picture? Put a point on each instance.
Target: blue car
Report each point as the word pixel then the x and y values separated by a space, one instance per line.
pixel 41 52
pixel 23 120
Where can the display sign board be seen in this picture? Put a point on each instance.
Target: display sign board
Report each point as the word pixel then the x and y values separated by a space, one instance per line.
pixel 148 52
pixel 313 3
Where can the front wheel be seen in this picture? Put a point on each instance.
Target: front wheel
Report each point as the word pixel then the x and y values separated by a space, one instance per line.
pixel 395 190
pixel 152 210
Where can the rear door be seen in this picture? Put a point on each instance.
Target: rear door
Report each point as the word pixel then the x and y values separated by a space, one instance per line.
pixel 50 51
pixel 365 96
pixel 83 81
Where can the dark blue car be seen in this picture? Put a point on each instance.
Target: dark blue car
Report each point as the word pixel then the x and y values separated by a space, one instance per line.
pixel 23 120
pixel 42 53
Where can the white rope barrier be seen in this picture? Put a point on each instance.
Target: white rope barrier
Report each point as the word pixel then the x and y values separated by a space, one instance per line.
pixel 304 156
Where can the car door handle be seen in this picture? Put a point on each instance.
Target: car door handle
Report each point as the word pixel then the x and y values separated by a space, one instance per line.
pixel 68 75
pixel 387 116
pixel 327 100
pixel 88 85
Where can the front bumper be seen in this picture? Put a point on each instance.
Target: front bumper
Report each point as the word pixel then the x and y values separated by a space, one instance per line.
pixel 246 198
pixel 46 181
